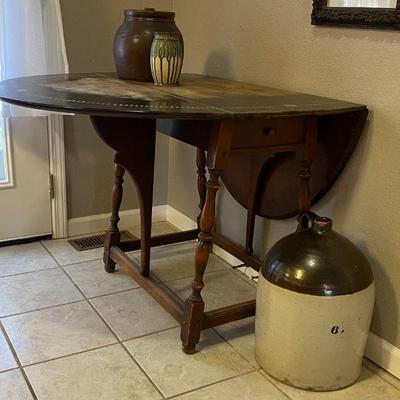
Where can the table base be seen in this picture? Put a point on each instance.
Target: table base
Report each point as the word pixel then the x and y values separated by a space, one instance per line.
pixel 172 303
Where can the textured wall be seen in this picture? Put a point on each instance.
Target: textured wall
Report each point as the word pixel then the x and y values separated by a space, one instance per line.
pixel 89 27
pixel 273 43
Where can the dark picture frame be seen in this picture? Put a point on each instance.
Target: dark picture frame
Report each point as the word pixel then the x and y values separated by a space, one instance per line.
pixel 381 18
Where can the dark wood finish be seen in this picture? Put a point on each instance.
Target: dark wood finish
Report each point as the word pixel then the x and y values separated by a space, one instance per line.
pixel 201 180
pixel 306 164
pixel 229 314
pixel 113 236
pixel 258 166
pixel 337 138
pixel 237 251
pixel 196 98
pixel 135 151
pixel 256 139
pixel 162 240
pixel 357 17
pixel 188 113
pixel 268 133
pixel 217 157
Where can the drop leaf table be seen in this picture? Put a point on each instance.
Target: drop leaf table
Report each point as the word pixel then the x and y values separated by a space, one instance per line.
pixel 264 144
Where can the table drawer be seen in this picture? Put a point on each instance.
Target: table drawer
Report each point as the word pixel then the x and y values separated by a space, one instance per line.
pixel 269 132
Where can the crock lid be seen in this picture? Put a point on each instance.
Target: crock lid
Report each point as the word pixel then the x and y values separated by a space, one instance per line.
pixel 150 13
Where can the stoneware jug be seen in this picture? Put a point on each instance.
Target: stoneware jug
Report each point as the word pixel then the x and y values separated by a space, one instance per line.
pixel 133 40
pixel 315 299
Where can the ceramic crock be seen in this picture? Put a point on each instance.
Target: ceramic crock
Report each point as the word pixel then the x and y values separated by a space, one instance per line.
pixel 134 39
pixel 315 299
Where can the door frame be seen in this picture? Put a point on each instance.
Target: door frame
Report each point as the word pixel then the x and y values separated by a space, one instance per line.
pixel 57 179
pixel 57 185
pixel 8 152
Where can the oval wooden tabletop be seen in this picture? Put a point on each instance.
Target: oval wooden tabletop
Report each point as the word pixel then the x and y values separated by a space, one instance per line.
pixel 197 97
pixel 206 98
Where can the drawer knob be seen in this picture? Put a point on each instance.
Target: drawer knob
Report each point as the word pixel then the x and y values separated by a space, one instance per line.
pixel 269 131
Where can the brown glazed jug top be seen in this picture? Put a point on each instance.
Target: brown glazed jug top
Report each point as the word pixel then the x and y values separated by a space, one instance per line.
pixel 317 261
pixel 149 13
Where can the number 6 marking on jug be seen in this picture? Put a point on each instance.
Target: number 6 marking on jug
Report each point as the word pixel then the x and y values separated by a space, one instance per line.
pixel 335 330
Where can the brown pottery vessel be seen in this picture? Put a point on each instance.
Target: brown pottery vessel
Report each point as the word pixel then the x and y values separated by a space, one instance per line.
pixel 133 40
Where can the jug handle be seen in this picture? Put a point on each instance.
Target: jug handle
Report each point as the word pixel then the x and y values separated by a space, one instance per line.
pixel 306 220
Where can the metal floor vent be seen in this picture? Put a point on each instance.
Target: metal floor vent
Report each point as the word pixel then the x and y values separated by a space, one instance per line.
pixel 97 241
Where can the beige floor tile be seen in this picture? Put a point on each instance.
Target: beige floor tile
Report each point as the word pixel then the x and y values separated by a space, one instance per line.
pixel 222 288
pixel 35 290
pixel 94 281
pixel 133 313
pixel 369 387
pixel 252 386
pixel 7 360
pixel 158 228
pixel 13 386
pixel 174 262
pixel 174 372
pixel 388 377
pixel 102 374
pixel 24 258
pixel 245 278
pixel 56 332
pixel 65 254
pixel 240 335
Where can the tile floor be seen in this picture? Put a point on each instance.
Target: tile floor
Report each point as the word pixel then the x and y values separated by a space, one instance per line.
pixel 70 331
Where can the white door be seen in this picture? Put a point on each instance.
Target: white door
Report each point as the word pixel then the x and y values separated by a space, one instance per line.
pixel 25 209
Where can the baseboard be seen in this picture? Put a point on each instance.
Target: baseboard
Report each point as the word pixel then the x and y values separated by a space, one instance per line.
pixel 99 223
pixel 383 354
pixel 181 221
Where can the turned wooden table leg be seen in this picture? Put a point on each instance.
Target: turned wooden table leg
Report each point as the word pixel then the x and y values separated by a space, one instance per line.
pixel 134 141
pixel 306 164
pixel 113 235
pixel 194 305
pixel 218 154
pixel 201 180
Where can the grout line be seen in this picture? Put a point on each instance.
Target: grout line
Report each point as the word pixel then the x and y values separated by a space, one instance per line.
pixel 17 360
pixel 269 379
pixel 230 345
pixel 149 334
pixel 255 369
pixel 383 379
pixel 39 309
pixel 381 373
pixel 211 384
pixel 9 369
pixel 29 272
pixel 79 262
pixel 90 304
pixel 114 334
pixel 142 369
pixel 111 293
pixel 69 355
